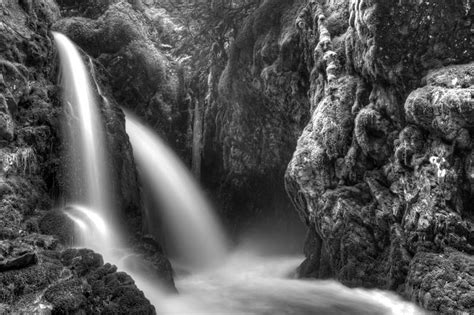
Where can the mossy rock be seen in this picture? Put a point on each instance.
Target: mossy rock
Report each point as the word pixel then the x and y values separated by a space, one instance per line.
pixel 58 224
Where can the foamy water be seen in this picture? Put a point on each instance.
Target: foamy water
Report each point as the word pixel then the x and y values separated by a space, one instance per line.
pixel 253 285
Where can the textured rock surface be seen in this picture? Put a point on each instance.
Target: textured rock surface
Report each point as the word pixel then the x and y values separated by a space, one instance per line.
pixel 256 107
pixel 382 172
pixel 68 281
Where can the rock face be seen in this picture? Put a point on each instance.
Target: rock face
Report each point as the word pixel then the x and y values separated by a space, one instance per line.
pixel 382 172
pixel 262 89
pixel 256 107
pixel 48 280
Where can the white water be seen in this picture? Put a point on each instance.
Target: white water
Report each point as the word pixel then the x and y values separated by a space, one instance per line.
pixel 243 283
pixel 248 284
pixel 195 234
pixel 85 134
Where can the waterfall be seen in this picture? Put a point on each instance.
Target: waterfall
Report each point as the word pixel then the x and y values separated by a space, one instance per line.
pixel 195 234
pixel 87 154
pixel 91 209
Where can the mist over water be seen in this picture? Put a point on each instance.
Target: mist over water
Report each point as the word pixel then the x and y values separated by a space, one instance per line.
pixel 250 284
pixel 195 235
pixel 241 282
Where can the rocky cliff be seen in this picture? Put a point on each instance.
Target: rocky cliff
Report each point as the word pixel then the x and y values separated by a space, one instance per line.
pixel 256 107
pixel 382 173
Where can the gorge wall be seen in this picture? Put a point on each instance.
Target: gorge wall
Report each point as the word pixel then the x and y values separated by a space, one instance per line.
pixel 256 107
pixel 382 173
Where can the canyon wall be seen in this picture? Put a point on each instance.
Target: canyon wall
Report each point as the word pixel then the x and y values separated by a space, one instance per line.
pixel 382 173
pixel 256 107
pixel 380 94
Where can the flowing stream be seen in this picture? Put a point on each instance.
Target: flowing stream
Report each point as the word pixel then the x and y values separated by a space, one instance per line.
pixel 249 284
pixel 218 282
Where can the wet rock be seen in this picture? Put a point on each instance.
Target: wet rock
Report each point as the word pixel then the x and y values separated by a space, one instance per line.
pixel 6 127
pixel 66 297
pixel 445 111
pixel 442 282
pixel 150 260
pixel 82 261
pixel 19 262
pixel 255 108
pixel 92 286
pixel 391 186
pixel 89 9
pixel 58 224
pixel 394 41
pixel 262 90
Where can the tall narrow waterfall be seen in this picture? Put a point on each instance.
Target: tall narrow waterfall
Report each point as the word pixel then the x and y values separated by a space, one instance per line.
pixel 194 232
pixel 88 170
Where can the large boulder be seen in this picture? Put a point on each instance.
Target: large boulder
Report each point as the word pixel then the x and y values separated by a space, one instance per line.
pixel 255 108
pixel 382 172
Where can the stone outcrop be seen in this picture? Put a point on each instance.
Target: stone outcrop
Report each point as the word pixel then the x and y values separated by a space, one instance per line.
pixel 382 172
pixel 46 279
pixel 255 109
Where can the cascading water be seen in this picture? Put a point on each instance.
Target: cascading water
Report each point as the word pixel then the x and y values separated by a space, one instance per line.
pixel 195 234
pixel 86 136
pixel 244 283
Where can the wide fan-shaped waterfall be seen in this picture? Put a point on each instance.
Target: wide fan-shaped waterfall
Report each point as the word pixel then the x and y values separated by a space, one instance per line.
pixel 240 283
